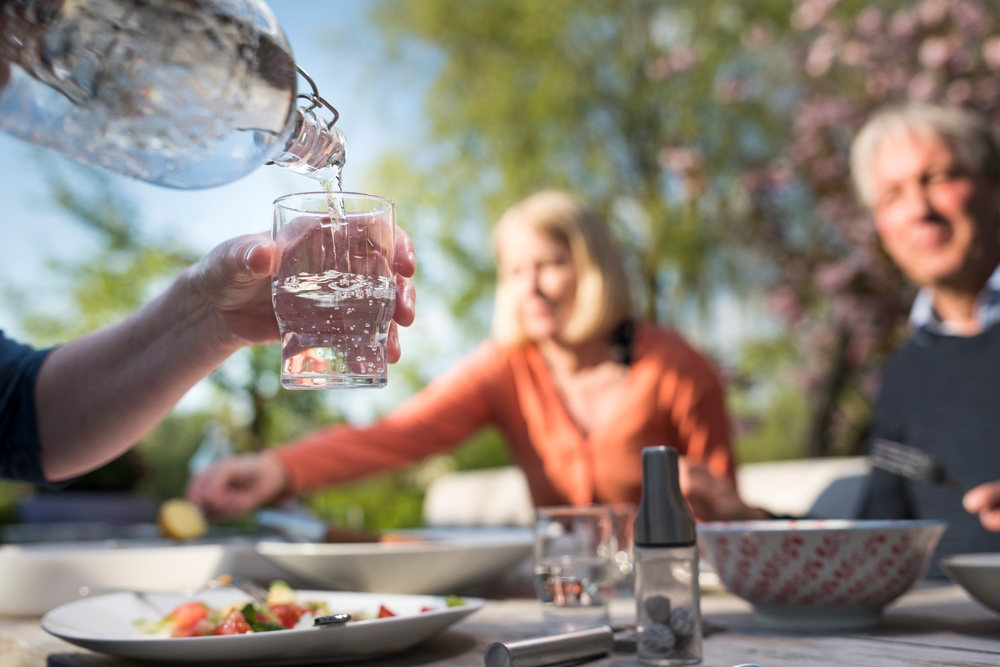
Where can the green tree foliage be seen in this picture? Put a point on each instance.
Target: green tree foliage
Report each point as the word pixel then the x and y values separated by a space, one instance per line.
pixel 615 101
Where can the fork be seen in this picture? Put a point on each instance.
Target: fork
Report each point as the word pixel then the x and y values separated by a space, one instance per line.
pixel 913 464
pixel 248 586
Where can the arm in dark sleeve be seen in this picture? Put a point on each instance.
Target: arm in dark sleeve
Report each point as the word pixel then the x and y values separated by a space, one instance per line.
pixel 19 445
pixel 887 496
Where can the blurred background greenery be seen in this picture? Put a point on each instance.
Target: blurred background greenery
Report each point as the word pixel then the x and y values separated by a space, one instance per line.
pixel 713 135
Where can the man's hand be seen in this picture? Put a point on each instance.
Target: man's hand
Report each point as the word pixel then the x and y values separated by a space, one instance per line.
pixel 984 500
pixel 234 280
pixel 238 485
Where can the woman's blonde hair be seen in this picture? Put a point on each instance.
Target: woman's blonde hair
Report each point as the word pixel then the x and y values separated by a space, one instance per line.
pixel 602 302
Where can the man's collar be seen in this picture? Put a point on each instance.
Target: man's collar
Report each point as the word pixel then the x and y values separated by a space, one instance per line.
pixel 925 320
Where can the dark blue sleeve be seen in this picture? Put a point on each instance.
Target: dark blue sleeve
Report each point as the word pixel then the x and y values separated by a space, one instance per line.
pixel 886 495
pixel 19 446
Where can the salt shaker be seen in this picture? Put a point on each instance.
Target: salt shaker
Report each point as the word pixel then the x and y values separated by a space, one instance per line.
pixel 668 611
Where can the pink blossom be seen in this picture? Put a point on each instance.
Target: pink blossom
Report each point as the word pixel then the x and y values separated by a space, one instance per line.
pixel 835 277
pixel 809 13
pixel 991 52
pixel 757 36
pixel 970 17
pixel 781 174
pixel 935 52
pixel 821 55
pixel 854 53
pixel 785 304
pixel 829 168
pixel 658 69
pixel 902 24
pixel 932 12
pixel 922 87
pixel 959 91
pixel 682 59
pixel 731 90
pixel 680 159
pixel 987 93
pixel 877 85
pixel 869 21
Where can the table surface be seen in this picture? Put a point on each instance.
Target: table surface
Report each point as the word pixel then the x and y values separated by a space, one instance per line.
pixel 930 625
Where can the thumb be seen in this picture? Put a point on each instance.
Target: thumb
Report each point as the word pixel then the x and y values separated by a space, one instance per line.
pixel 244 259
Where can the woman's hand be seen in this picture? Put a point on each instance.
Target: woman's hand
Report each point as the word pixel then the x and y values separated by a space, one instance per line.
pixel 714 498
pixel 238 485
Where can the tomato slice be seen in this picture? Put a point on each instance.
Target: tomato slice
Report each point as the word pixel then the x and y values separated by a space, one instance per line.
pixel 289 614
pixel 423 609
pixel 234 624
pixel 383 612
pixel 187 620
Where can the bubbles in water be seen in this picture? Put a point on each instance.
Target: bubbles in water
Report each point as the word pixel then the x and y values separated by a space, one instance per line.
pixel 343 368
pixel 379 369
pixel 357 358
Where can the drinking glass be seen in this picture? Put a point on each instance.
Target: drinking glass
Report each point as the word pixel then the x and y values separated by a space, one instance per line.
pixel 335 290
pixel 574 556
pixel 623 574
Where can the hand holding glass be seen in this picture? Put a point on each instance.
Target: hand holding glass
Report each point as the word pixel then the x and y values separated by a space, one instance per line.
pixel 335 290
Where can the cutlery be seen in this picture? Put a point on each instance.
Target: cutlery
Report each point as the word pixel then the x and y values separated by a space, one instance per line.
pixel 912 463
pixel 248 586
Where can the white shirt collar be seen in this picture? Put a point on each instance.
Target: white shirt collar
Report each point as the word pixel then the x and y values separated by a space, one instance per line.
pixel 924 318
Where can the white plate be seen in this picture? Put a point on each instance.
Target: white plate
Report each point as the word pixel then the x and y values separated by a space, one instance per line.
pixel 447 562
pixel 978 574
pixel 107 624
pixel 35 578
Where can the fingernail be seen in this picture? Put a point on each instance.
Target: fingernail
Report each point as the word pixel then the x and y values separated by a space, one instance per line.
pixel 246 260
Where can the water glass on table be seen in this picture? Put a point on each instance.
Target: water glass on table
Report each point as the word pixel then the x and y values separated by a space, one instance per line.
pixel 574 558
pixel 335 290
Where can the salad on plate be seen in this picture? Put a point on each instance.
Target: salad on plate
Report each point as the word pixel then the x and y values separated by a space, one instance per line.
pixel 281 611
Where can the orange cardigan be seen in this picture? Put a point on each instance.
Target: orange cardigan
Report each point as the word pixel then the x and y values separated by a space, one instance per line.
pixel 671 397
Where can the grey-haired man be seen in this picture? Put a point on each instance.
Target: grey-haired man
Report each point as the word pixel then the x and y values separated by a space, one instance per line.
pixel 931 177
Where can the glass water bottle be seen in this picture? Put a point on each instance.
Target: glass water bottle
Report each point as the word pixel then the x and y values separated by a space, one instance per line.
pixel 181 93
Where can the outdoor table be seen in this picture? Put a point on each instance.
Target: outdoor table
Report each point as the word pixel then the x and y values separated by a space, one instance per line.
pixel 931 625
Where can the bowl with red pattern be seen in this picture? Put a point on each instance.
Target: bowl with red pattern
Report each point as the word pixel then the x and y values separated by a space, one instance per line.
pixel 823 574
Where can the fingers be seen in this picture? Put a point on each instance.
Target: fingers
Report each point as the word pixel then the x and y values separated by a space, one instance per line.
pixel 406 302
pixel 238 485
pixel 242 259
pixel 984 500
pixel 393 352
pixel 405 263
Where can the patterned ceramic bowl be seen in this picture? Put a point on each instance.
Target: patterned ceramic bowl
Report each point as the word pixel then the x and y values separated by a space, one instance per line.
pixel 819 574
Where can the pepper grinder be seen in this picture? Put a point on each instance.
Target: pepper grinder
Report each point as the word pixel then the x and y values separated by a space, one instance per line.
pixel 668 605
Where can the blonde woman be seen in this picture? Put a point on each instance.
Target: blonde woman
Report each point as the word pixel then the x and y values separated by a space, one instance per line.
pixel 577 387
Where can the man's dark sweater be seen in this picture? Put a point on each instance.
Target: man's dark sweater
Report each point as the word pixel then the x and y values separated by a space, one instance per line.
pixel 941 394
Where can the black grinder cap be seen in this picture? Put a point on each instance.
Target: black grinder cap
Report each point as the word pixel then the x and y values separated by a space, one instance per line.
pixel 663 518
